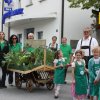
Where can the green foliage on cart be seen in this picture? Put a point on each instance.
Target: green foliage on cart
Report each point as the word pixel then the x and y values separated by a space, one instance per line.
pixel 39 56
pixel 28 60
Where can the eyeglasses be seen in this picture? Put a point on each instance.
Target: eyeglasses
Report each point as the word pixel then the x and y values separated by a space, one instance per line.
pixel 86 31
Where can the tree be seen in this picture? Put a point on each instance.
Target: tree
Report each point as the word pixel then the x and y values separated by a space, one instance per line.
pixel 85 4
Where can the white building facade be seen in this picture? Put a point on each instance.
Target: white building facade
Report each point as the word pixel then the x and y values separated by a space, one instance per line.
pixel 44 19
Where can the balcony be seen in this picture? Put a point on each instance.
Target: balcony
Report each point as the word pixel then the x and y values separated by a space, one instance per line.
pixel 22 19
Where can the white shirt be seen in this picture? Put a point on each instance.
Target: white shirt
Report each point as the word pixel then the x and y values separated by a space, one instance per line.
pixel 85 42
pixel 98 76
pixel 79 62
pixel 97 61
pixel 56 60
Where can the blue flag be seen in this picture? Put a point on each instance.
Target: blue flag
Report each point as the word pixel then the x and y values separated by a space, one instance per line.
pixel 8 1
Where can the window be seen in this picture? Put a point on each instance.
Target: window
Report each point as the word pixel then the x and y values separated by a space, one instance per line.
pixel 40 35
pixel 19 5
pixel 29 3
pixel 20 38
pixel 73 43
pixel 27 31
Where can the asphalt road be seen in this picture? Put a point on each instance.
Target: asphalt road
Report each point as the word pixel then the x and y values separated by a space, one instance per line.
pixel 42 93
pixel 12 93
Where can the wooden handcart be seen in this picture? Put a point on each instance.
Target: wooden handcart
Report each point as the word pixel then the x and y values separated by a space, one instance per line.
pixel 40 76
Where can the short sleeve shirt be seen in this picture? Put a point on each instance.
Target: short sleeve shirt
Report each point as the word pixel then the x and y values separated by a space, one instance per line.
pixel 59 61
pixel 79 62
pixel 85 42
pixel 15 48
pixel 66 50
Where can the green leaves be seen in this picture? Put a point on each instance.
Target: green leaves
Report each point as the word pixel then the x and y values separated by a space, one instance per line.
pixel 28 60
pixel 39 56
pixel 85 4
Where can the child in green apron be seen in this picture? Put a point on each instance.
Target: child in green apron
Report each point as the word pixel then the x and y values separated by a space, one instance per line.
pixel 94 67
pixel 79 76
pixel 59 72
pixel 97 79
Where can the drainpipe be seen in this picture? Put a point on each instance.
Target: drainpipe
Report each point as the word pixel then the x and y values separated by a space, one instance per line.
pixel 2 15
pixel 62 19
pixel 9 30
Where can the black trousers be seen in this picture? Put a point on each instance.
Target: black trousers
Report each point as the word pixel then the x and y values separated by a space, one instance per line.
pixel 65 73
pixel 10 77
pixel 87 58
pixel 4 73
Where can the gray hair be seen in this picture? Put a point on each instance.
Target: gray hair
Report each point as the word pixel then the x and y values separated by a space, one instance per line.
pixel 32 34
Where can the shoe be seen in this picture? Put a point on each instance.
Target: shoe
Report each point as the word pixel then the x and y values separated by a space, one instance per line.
pixel 88 97
pixel 65 82
pixel 11 84
pixel 3 86
pixel 56 97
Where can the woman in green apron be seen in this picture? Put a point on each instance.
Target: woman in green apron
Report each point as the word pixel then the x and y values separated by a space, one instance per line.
pixel 79 76
pixel 4 49
pixel 14 46
pixel 59 72
pixel 94 67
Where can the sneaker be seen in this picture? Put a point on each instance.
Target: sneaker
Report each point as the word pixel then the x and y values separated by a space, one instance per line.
pixel 56 97
pixel 11 84
pixel 88 97
pixel 65 82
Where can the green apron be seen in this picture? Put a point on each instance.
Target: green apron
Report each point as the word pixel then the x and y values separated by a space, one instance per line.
pixel 59 74
pixel 94 88
pixel 99 92
pixel 80 79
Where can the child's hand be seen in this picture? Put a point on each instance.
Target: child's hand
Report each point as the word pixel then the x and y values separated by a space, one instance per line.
pixel 61 65
pixel 69 65
pixel 73 81
pixel 86 70
pixel 96 81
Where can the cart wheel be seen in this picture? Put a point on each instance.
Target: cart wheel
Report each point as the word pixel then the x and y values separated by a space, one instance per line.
pixel 29 85
pixel 50 85
pixel 18 83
